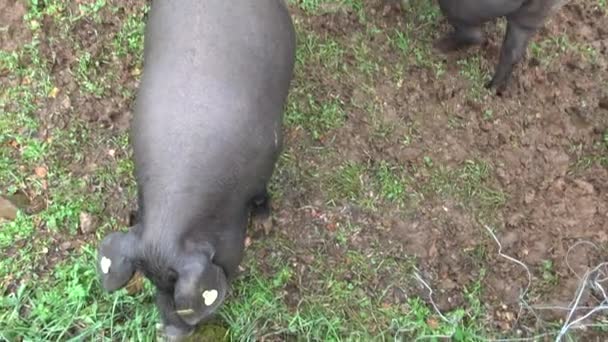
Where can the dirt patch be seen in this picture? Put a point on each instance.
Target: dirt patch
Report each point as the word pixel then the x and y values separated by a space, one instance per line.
pixel 13 32
pixel 534 136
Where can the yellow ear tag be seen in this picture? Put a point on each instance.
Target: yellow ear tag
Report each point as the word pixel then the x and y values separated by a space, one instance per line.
pixel 105 265
pixel 210 296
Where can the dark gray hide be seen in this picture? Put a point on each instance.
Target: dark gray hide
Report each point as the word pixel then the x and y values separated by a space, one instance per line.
pixel 524 18
pixel 206 135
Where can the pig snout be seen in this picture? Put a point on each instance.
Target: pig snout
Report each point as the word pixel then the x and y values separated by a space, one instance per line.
pixel 524 18
pixel 199 290
pixel 190 287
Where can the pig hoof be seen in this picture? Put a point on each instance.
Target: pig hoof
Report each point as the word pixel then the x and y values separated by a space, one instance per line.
pixel 261 206
pixel 452 42
pixel 172 333
pixel 133 218
pixel 446 44
pixel 500 86
pixel 267 225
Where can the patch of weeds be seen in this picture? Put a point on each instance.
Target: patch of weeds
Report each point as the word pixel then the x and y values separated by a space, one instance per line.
pixel 472 68
pixel 62 216
pixel 471 183
pixel 550 49
pixel 19 132
pixel 488 114
pixel 586 162
pixel 410 135
pixel 320 52
pixel 383 129
pixel 317 118
pixel 426 58
pixel 72 143
pixel 473 177
pixel 88 76
pixel 34 71
pixel 92 9
pixel 419 322
pixel 549 274
pixel 390 183
pixel 342 306
pixel 130 39
pixel 37 9
pixel 315 53
pixel 478 254
pixel 458 325
pixel 365 61
pixel 9 61
pixel 346 183
pixel 70 305
pixel 599 156
pixel 426 12
pixel 401 41
pixel 315 6
pixel 294 175
pixel 456 122
pixel 254 306
pixel 21 228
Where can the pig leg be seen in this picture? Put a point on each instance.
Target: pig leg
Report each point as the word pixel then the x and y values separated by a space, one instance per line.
pixel 463 36
pixel 261 205
pixel 513 48
pixel 174 328
pixel 133 218
pixel 261 212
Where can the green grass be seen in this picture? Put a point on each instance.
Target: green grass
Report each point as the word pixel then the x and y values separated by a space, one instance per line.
pixel 549 50
pixel 472 68
pixel 317 118
pixel 471 183
pixel 314 6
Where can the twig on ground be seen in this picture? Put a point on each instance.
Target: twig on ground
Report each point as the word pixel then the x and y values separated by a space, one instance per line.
pixel 591 279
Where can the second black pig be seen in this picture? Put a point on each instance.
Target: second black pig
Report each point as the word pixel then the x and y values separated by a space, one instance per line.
pixel 524 18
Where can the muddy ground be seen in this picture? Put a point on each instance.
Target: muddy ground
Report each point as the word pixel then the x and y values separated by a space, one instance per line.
pixel 531 165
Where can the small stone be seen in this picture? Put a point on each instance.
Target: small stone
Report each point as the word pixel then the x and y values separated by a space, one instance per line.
pixel 66 103
pixel 432 323
pixel 604 103
pixel 86 223
pixel 54 92
pixel 66 246
pixel 8 210
pixel 41 172
pixel 529 197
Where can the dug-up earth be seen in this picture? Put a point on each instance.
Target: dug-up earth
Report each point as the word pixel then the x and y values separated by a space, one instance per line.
pixel 402 180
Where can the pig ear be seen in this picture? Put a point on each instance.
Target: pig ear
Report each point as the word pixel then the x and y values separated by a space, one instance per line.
pixel 115 260
pixel 200 288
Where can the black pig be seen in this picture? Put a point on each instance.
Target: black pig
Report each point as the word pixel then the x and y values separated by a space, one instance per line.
pixel 524 18
pixel 206 135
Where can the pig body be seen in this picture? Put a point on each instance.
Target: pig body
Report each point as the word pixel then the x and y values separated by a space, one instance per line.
pixel 524 18
pixel 206 135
